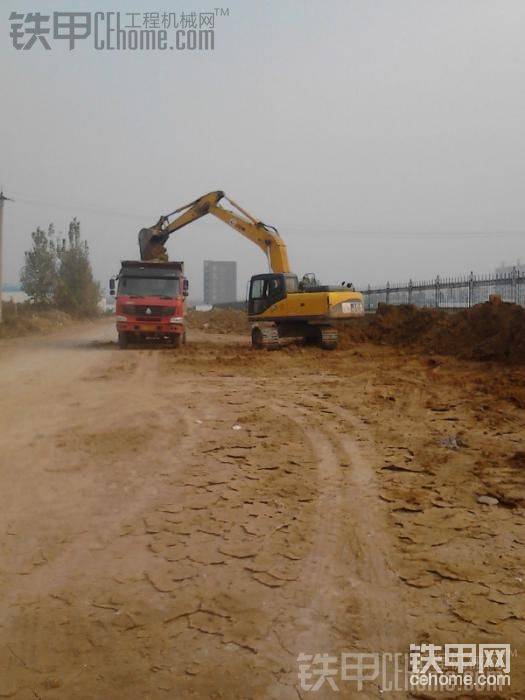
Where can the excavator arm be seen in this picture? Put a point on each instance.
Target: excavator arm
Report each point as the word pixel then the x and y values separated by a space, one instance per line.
pixel 152 240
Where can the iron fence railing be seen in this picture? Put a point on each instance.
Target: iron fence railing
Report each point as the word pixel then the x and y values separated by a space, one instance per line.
pixel 450 292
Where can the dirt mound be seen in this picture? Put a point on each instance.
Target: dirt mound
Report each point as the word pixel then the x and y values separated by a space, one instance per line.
pixel 23 319
pixel 219 320
pixel 491 331
pixel 393 325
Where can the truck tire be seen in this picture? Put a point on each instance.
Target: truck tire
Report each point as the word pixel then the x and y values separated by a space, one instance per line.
pixel 177 340
pixel 123 340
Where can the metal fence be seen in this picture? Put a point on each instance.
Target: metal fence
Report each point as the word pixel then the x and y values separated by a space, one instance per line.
pixel 450 292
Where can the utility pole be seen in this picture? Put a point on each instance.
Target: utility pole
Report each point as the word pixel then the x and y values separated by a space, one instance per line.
pixel 3 199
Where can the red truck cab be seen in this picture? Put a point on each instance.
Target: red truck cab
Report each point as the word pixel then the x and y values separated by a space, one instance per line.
pixel 150 302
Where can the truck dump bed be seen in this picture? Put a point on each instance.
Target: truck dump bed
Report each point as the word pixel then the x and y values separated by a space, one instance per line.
pixel 140 268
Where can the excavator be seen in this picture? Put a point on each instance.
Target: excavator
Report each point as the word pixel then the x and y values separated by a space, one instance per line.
pixel 279 305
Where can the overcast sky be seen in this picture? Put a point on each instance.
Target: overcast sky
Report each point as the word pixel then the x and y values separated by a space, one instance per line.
pixel 384 138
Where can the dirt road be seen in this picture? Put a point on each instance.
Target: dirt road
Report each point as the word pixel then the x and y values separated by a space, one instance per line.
pixel 181 524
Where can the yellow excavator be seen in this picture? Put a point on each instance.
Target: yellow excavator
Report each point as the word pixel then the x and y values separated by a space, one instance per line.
pixel 279 305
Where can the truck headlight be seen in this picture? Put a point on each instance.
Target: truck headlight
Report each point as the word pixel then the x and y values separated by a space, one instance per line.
pixel 121 318
pixel 176 319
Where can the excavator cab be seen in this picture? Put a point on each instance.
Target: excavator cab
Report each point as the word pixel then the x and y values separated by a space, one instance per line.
pixel 266 290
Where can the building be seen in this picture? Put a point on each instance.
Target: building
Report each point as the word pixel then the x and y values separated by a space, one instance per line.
pixel 220 281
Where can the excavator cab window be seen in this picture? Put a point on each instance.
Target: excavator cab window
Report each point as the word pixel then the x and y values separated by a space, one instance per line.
pixel 292 283
pixel 265 290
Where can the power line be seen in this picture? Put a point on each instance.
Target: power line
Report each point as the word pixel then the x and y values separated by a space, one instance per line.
pixel 401 234
pixel 293 230
pixel 79 207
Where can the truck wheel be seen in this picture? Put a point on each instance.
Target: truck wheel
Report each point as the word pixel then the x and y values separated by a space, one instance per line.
pixel 184 338
pixel 123 340
pixel 177 340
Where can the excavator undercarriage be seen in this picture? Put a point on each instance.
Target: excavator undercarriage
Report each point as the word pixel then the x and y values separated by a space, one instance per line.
pixel 268 336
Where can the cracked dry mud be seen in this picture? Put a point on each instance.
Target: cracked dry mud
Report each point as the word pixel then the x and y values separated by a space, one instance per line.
pixel 149 550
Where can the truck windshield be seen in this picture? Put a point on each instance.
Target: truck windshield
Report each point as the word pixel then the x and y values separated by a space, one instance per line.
pixel 149 286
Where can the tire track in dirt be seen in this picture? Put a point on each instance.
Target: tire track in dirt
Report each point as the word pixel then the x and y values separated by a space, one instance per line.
pixel 356 602
pixel 435 553
pixel 378 584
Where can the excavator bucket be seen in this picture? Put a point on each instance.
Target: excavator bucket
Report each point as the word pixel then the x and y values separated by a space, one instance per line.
pixel 152 245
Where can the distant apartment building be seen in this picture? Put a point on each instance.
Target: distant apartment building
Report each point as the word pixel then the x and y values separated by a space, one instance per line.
pixel 220 281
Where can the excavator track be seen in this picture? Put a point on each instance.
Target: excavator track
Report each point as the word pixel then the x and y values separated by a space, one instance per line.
pixel 265 338
pixel 328 337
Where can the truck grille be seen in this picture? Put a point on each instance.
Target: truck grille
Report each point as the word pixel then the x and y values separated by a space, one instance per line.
pixel 141 311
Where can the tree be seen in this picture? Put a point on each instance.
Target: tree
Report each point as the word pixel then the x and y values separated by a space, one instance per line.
pixel 76 291
pixel 39 274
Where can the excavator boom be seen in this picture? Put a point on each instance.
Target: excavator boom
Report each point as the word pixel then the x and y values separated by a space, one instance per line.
pixel 152 240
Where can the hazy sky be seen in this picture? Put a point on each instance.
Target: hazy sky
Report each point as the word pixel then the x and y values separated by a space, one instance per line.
pixel 384 138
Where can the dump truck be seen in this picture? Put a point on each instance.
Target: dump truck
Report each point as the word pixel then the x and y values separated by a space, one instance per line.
pixel 150 302
pixel 279 304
